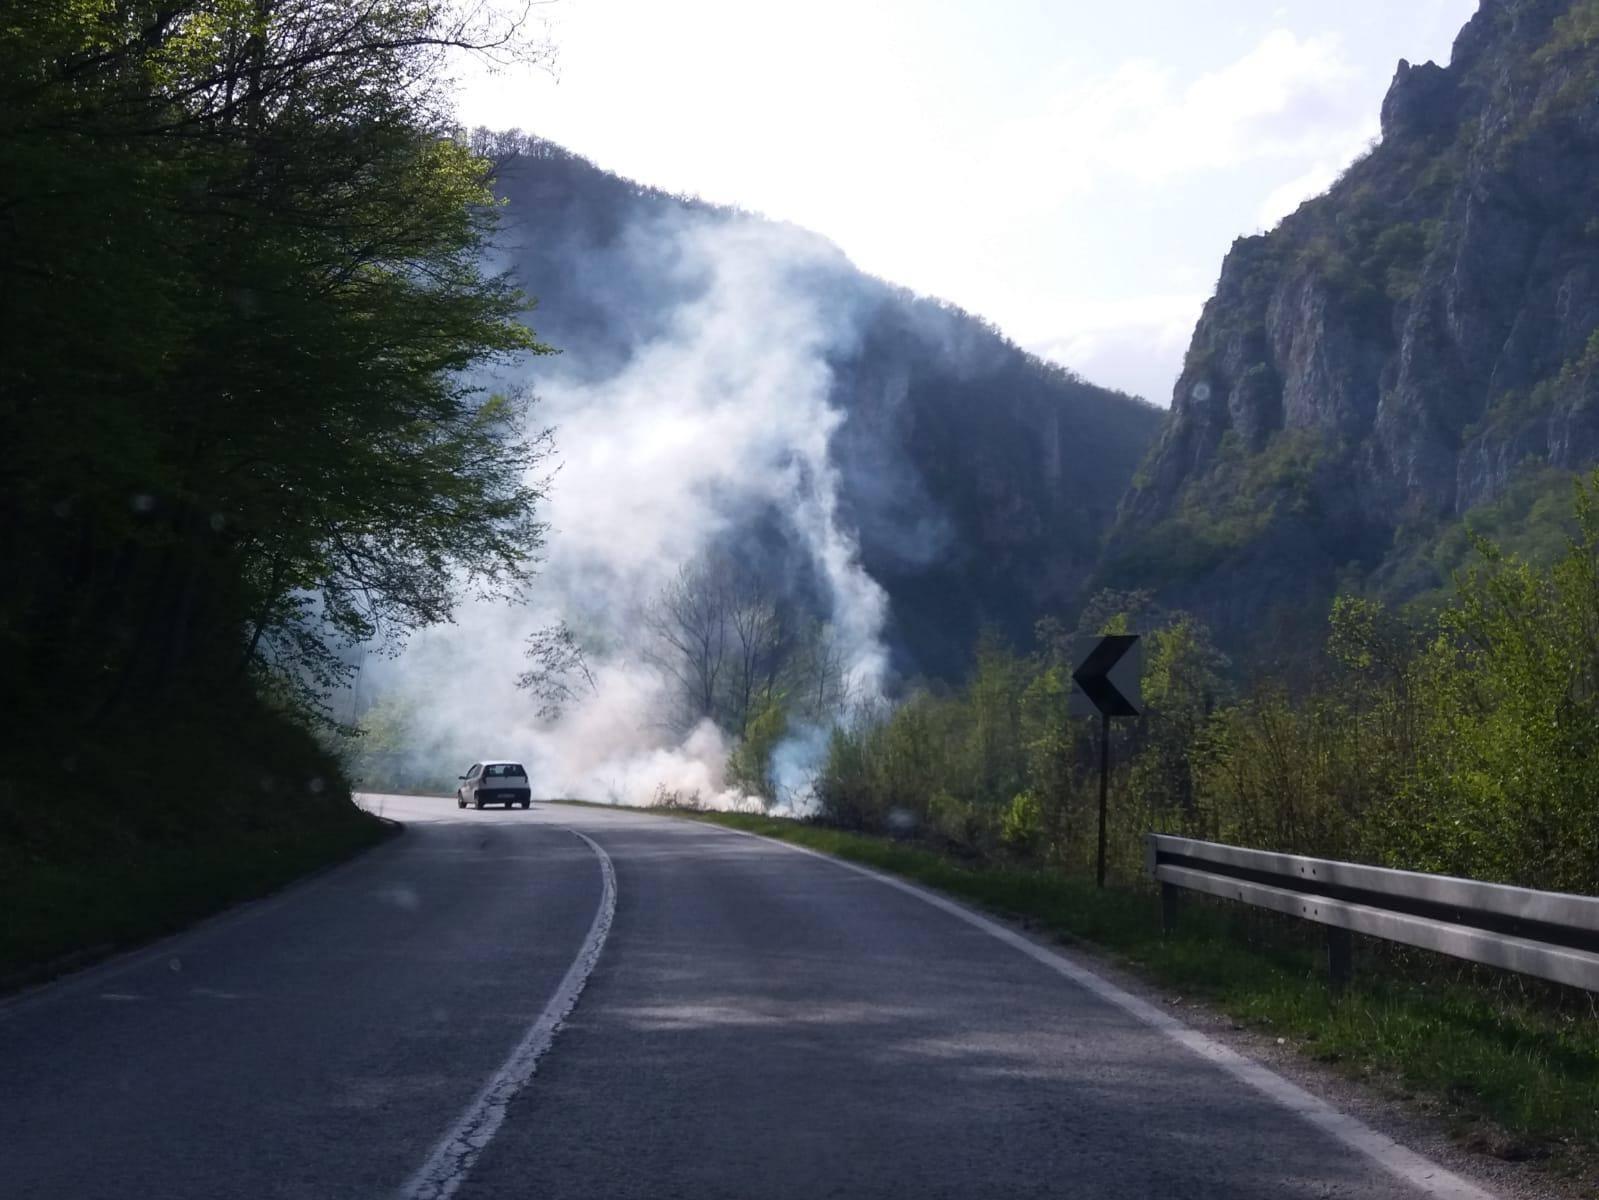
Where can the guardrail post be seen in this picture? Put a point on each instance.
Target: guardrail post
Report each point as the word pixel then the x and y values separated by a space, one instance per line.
pixel 1340 959
pixel 1168 908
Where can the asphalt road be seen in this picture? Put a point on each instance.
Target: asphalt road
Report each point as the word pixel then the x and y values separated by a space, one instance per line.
pixel 758 1022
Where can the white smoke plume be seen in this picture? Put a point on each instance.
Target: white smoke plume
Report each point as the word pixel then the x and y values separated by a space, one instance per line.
pixel 723 414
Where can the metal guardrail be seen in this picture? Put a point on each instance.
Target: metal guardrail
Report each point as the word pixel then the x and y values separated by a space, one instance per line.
pixel 1548 934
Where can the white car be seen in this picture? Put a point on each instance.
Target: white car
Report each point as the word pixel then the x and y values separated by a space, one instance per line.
pixel 494 783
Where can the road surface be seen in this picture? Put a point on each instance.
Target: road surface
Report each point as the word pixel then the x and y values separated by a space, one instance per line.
pixel 757 1022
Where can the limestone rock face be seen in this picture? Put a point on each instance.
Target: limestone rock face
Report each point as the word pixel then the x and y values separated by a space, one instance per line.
pixel 1398 349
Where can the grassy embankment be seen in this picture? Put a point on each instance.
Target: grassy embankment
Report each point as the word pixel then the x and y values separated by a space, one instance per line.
pixel 146 830
pixel 1511 1064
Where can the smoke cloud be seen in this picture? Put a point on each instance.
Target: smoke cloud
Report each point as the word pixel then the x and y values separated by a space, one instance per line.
pixel 715 420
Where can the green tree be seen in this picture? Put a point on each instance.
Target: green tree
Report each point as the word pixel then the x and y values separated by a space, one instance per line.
pixel 247 418
pixel 749 767
pixel 1506 784
pixel 1184 680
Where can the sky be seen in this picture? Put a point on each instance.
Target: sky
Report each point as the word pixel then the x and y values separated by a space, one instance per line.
pixel 1071 170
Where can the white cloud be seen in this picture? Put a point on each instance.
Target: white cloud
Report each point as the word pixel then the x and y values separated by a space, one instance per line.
pixel 1286 97
pixel 1278 99
pixel 1139 130
pixel 1286 197
pixel 1138 343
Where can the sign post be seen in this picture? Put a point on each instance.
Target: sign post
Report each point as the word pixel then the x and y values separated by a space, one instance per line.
pixel 1107 680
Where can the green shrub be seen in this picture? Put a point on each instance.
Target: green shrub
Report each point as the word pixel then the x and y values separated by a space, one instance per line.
pixel 1463 740
pixel 749 767
pixel 1023 825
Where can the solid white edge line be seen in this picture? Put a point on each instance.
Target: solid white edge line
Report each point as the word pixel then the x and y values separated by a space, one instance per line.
pixel 452 1159
pixel 1415 1169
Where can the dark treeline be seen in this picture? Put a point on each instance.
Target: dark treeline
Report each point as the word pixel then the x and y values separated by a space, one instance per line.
pixel 241 418
pixel 1464 739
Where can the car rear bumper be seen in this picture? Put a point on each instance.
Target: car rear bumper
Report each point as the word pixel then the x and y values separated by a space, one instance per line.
pixel 504 795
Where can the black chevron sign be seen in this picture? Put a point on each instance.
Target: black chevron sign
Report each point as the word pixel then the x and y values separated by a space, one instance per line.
pixel 1108 676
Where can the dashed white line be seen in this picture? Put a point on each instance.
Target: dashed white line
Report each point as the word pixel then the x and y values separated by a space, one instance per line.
pixel 452 1159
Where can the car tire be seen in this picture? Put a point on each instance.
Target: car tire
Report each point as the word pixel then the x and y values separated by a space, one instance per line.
pixel 527 804
pixel 478 804
pixel 460 800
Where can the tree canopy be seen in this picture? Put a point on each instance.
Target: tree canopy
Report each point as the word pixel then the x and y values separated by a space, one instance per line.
pixel 247 407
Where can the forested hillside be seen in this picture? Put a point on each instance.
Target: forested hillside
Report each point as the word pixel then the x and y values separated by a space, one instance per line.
pixel 1363 550
pixel 241 278
pixel 978 479
pixel 1413 348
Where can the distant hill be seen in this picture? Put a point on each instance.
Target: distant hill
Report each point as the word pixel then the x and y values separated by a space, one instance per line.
pixel 979 480
pixel 1414 348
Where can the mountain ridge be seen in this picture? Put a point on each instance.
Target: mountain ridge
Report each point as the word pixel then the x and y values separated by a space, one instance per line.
pixel 977 478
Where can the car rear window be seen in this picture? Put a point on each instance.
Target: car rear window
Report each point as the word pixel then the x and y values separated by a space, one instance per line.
pixel 505 771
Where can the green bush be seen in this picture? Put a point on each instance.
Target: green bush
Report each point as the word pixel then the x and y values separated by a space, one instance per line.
pixel 1464 740
pixel 749 767
pixel 1023 824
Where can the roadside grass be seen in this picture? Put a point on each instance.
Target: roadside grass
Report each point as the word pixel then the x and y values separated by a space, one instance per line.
pixel 144 832
pixel 1511 1064
pixel 63 916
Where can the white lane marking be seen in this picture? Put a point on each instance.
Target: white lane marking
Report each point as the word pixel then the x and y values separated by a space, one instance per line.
pixel 1415 1169
pixel 452 1159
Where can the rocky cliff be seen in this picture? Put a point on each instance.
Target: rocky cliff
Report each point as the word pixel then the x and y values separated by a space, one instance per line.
pixel 1399 351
